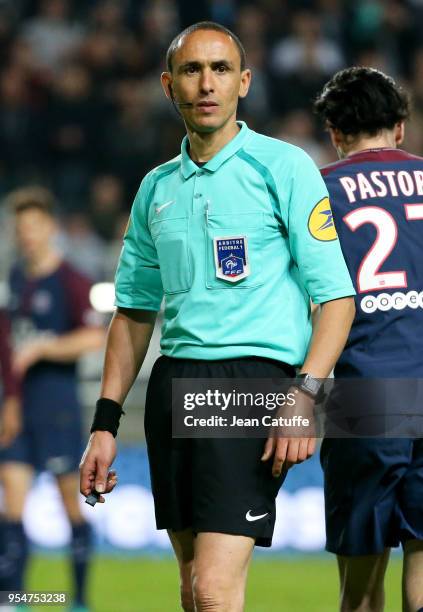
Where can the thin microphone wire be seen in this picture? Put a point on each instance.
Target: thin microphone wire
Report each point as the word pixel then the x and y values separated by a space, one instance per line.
pixel 177 105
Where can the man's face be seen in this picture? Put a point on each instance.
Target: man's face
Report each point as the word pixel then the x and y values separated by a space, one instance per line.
pixel 206 72
pixel 34 232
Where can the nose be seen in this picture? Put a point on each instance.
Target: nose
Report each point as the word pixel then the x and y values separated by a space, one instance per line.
pixel 206 81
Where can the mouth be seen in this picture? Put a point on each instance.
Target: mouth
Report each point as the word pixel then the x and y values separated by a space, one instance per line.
pixel 207 106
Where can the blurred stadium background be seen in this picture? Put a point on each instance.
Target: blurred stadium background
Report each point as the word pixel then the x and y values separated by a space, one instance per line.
pixel 82 112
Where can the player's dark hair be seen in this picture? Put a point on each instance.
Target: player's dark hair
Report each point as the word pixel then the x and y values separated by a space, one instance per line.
pixel 34 197
pixel 361 100
pixel 205 25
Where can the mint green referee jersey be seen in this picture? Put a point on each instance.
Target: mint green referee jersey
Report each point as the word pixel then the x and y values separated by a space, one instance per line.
pixel 237 248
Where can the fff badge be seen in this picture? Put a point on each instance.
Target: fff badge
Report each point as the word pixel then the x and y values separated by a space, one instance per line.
pixel 231 258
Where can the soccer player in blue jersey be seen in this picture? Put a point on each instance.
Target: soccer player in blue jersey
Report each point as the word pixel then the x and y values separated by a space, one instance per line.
pixel 10 420
pixel 374 487
pixel 52 326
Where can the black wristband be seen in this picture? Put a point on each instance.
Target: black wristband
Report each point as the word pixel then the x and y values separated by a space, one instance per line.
pixel 107 416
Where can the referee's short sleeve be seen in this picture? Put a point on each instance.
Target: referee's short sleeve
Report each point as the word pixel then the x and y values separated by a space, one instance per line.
pixel 138 282
pixel 313 240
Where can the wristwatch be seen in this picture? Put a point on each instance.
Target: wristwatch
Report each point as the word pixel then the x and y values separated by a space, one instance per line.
pixel 311 386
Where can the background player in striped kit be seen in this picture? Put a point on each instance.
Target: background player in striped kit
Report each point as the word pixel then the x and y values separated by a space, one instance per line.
pixel 10 418
pixel 52 326
pixel 374 487
pixel 10 421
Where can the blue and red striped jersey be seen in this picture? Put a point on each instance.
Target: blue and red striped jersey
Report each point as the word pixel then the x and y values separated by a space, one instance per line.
pixel 377 204
pixel 8 382
pixel 46 306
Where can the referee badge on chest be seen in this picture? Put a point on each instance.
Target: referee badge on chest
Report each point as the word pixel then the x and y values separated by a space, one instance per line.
pixel 231 258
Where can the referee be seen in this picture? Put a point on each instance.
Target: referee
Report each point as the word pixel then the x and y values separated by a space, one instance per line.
pixel 245 314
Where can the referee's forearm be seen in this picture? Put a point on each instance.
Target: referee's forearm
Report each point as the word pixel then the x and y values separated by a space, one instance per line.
pixel 329 337
pixel 127 344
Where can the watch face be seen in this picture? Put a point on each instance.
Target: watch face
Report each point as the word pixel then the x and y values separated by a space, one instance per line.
pixel 312 385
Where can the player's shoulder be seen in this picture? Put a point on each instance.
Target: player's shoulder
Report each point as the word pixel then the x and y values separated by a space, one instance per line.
pixel 163 170
pixel 400 154
pixel 275 154
pixel 375 156
pixel 262 145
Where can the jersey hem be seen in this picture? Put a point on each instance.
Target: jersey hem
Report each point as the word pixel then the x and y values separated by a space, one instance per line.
pixel 221 352
pixel 334 295
pixel 137 305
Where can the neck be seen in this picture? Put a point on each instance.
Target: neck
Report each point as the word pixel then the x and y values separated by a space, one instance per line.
pixel 385 140
pixel 43 263
pixel 204 146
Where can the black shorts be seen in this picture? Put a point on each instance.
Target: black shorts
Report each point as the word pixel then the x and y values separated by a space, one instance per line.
pixel 373 493
pixel 209 484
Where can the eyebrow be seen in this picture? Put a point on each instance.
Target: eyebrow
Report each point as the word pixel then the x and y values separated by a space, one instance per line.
pixel 213 64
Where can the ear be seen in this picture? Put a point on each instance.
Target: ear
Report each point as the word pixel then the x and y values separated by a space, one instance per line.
pixel 399 132
pixel 244 86
pixel 338 141
pixel 166 81
pixel 335 137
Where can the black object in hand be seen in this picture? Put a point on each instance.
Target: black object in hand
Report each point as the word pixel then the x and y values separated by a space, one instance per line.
pixel 92 498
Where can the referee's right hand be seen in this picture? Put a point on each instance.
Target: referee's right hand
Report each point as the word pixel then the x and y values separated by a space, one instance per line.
pixel 292 445
pixel 95 463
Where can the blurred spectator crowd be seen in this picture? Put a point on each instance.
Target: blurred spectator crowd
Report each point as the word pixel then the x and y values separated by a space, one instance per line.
pixel 82 111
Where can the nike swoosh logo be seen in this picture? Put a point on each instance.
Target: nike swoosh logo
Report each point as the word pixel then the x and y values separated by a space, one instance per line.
pixel 252 518
pixel 165 205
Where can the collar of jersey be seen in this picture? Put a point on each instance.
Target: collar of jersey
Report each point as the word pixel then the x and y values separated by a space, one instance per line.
pixel 372 150
pixel 189 167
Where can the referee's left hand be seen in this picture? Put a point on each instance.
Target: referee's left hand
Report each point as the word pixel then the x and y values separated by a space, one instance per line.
pixel 292 445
